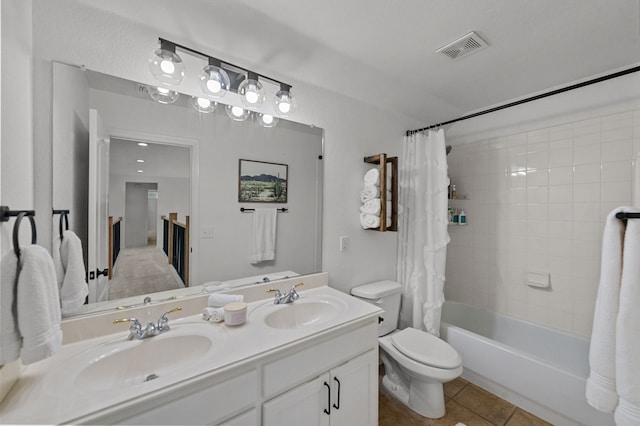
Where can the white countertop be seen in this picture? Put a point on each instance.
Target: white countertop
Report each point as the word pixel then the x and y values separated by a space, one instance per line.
pixel 48 391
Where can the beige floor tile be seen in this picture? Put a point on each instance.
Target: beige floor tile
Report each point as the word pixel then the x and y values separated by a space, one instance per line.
pixel 456 413
pixel 524 418
pixel 392 412
pixel 490 407
pixel 453 387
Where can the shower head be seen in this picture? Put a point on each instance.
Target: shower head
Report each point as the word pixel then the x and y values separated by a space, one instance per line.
pixel 448 149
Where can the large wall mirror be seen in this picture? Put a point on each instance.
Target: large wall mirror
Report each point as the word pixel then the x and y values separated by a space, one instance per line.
pixel 127 168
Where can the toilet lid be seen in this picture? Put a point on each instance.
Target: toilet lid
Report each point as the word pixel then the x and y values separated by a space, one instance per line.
pixel 426 348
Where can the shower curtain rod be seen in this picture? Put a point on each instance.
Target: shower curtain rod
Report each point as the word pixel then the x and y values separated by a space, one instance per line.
pixel 532 98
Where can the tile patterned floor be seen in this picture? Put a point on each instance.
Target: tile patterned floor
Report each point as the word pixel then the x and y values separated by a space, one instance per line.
pixel 465 403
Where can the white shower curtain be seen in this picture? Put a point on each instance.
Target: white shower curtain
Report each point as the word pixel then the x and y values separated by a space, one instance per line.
pixel 423 235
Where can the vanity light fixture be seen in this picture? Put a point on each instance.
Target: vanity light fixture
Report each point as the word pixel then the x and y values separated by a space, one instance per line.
pixel 215 80
pixel 251 91
pixel 203 105
pixel 267 120
pixel 285 101
pixel 162 94
pixel 165 65
pixel 237 113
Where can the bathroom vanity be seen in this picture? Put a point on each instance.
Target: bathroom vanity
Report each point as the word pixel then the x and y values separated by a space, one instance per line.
pixel 314 359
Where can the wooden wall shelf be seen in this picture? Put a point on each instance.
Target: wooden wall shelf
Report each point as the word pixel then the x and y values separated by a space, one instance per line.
pixel 381 160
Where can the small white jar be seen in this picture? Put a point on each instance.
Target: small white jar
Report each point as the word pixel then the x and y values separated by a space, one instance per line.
pixel 235 313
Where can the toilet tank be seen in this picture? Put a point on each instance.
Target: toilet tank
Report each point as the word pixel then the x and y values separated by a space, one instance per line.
pixel 386 295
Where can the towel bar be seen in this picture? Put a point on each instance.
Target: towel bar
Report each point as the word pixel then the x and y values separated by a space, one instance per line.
pixel 282 210
pixel 623 215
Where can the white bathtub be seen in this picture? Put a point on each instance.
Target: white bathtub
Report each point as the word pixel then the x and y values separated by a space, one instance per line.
pixel 540 369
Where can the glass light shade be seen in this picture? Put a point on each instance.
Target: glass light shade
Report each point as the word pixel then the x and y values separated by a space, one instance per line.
pixel 237 113
pixel 162 94
pixel 267 120
pixel 167 67
pixel 203 105
pixel 251 93
pixel 214 81
pixel 285 102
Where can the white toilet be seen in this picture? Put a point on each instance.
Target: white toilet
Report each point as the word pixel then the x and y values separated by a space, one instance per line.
pixel 416 363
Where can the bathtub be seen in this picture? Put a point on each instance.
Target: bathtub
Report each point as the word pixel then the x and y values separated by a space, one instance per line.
pixel 540 369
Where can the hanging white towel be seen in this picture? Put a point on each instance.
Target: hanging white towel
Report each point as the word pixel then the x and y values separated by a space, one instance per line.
pixel 628 330
pixel 601 385
pixel 371 207
pixel 263 235
pixel 33 331
pixel 70 272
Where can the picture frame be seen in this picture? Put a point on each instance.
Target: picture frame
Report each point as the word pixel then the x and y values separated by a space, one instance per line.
pixel 262 182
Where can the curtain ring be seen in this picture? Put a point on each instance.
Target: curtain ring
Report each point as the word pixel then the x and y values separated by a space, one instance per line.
pixel 16 231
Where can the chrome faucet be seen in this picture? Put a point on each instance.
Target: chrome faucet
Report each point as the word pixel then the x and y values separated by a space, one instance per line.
pixel 137 332
pixel 282 298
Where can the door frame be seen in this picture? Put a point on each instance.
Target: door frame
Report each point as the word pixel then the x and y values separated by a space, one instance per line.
pixel 194 147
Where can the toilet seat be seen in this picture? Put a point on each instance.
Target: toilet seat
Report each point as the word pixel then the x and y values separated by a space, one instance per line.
pixel 426 348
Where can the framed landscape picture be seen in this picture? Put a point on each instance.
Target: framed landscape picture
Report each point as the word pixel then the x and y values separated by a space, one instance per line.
pixel 262 182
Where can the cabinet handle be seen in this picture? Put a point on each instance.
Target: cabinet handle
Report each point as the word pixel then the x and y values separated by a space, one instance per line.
pixel 328 411
pixel 337 407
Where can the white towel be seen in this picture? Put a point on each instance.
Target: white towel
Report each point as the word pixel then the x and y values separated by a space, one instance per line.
pixel 601 384
pixel 369 192
pixel 372 177
pixel 628 330
pixel 33 329
pixel 218 300
pixel 369 221
pixel 371 207
pixel 263 235
pixel 213 314
pixel 70 272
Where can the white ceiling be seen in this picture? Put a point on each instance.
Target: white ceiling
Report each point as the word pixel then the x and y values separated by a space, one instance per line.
pixel 160 161
pixel 383 51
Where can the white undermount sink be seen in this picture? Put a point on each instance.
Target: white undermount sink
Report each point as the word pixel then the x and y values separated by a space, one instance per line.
pixel 125 363
pixel 304 313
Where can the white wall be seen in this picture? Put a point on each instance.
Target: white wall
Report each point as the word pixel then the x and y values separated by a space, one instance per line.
pixel 540 180
pixel 352 130
pixel 16 137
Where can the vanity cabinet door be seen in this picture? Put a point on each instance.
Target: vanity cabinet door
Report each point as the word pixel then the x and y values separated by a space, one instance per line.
pixel 354 392
pixel 345 396
pixel 307 404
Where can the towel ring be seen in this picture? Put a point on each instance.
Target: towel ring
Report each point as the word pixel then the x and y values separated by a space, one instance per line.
pixel 16 231
pixel 65 218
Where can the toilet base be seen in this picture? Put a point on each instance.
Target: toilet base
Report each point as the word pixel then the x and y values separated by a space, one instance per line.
pixel 425 398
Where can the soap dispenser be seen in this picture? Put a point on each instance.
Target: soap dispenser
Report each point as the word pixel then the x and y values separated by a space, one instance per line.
pixel 462 217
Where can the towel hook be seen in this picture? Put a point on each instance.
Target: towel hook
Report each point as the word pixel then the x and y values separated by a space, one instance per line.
pixel 63 217
pixel 16 231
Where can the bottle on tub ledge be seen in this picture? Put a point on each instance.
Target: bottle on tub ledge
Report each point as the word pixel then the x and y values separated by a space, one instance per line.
pixel 462 217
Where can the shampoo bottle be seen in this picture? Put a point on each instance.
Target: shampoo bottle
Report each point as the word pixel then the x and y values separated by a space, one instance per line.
pixel 462 217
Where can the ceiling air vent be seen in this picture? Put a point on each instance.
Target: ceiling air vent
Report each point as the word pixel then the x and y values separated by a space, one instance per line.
pixel 463 46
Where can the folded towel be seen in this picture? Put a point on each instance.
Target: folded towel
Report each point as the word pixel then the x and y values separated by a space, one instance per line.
pixel 263 235
pixel 628 329
pixel 371 207
pixel 218 300
pixel 601 384
pixel 372 177
pixel 34 327
pixel 369 221
pixel 70 272
pixel 213 314
pixel 369 192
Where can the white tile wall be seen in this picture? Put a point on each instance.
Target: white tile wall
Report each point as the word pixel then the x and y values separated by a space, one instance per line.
pixel 536 201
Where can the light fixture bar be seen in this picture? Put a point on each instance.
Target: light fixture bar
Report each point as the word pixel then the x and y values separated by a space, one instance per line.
pixel 209 57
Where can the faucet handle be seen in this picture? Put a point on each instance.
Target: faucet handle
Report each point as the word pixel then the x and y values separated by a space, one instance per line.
pixel 293 293
pixel 135 329
pixel 275 290
pixel 164 319
pixel 133 321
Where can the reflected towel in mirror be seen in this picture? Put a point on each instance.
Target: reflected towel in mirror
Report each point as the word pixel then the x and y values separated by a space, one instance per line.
pixel 263 236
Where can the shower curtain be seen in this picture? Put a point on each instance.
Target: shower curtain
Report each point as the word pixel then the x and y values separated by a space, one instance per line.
pixel 423 235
